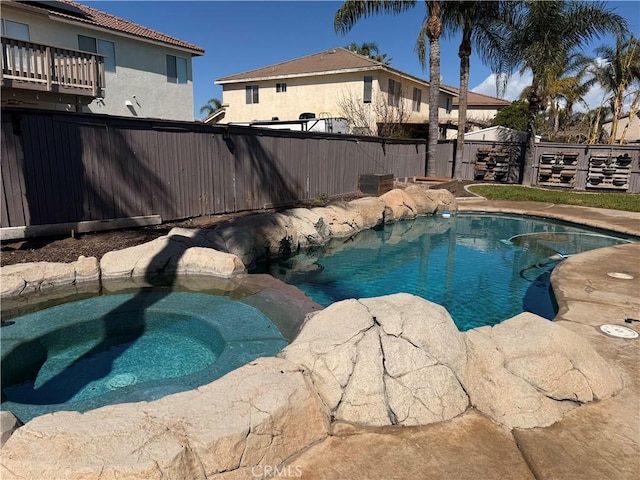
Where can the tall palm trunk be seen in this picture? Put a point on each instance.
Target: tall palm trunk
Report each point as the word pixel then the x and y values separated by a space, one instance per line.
pixel 464 52
pixel 555 115
pixel 617 113
pixel 532 114
pixel 433 30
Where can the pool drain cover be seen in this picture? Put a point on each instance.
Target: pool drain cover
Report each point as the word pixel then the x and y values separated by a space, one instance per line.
pixel 122 380
pixel 619 331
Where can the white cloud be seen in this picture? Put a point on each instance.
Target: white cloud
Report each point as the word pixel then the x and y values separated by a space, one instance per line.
pixel 594 98
pixel 515 85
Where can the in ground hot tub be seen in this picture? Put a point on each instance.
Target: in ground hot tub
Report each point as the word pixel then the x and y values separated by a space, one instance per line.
pixel 128 347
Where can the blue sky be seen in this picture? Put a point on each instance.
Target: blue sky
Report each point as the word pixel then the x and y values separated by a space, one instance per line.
pixel 242 35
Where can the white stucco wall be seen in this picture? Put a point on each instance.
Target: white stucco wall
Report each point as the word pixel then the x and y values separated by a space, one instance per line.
pixel 140 70
pixel 319 94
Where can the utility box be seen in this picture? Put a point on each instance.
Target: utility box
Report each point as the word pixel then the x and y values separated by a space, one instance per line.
pixel 375 183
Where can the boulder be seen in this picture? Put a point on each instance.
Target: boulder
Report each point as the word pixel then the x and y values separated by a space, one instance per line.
pixel 259 236
pixel 168 256
pixel 240 242
pixel 198 237
pixel 342 219
pixel 401 204
pixel 383 361
pixel 87 269
pixel 206 261
pixel 426 204
pixel 529 372
pixel 308 226
pixel 444 199
pixel 25 278
pixel 8 424
pixel 262 413
pixel 373 210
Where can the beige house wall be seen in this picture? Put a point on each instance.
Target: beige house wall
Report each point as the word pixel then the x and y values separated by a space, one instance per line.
pixel 632 133
pixel 322 95
pixel 141 70
pixel 479 114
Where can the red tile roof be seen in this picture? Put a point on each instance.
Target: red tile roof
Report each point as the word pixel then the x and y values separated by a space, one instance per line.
pixel 68 10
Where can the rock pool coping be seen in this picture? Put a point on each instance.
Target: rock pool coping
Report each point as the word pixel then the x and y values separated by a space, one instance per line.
pixel 235 333
pixel 319 405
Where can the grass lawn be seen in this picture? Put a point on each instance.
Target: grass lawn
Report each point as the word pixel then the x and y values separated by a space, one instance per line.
pixel 615 201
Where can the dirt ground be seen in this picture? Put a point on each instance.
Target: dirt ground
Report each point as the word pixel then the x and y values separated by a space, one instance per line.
pixel 68 249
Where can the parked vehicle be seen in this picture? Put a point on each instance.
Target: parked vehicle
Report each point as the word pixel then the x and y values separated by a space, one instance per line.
pixel 326 125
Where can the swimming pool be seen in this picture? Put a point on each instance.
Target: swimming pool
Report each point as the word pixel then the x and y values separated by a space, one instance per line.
pixel 125 348
pixel 482 268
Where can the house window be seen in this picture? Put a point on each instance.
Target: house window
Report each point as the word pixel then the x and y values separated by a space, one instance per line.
pixel 394 93
pixel 368 88
pixel 17 30
pixel 280 88
pixel 449 104
pixel 176 69
pixel 417 99
pixel 103 47
pixel 252 94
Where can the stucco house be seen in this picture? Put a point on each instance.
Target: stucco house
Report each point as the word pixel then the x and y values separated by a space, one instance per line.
pixel 342 83
pixel 628 125
pixel 64 55
pixel 480 111
pixel 334 83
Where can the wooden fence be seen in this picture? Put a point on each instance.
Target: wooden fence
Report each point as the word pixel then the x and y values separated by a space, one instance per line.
pixel 66 168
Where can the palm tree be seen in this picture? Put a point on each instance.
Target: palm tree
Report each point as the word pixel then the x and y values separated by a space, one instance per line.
pixel 480 23
pixel 564 84
pixel 353 10
pixel 618 71
pixel 569 89
pixel 542 35
pixel 432 29
pixel 365 48
pixel 369 49
pixel 211 106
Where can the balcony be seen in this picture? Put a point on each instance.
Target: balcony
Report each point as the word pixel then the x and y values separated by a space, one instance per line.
pixel 31 66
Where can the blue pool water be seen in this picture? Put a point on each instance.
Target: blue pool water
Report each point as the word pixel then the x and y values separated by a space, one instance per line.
pixel 130 347
pixel 482 268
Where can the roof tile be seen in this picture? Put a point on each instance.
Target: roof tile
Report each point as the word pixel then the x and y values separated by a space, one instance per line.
pixel 322 62
pixel 106 20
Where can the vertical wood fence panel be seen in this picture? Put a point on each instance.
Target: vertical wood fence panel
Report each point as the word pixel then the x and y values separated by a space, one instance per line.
pixel 445 159
pixel 62 167
pixel 14 203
